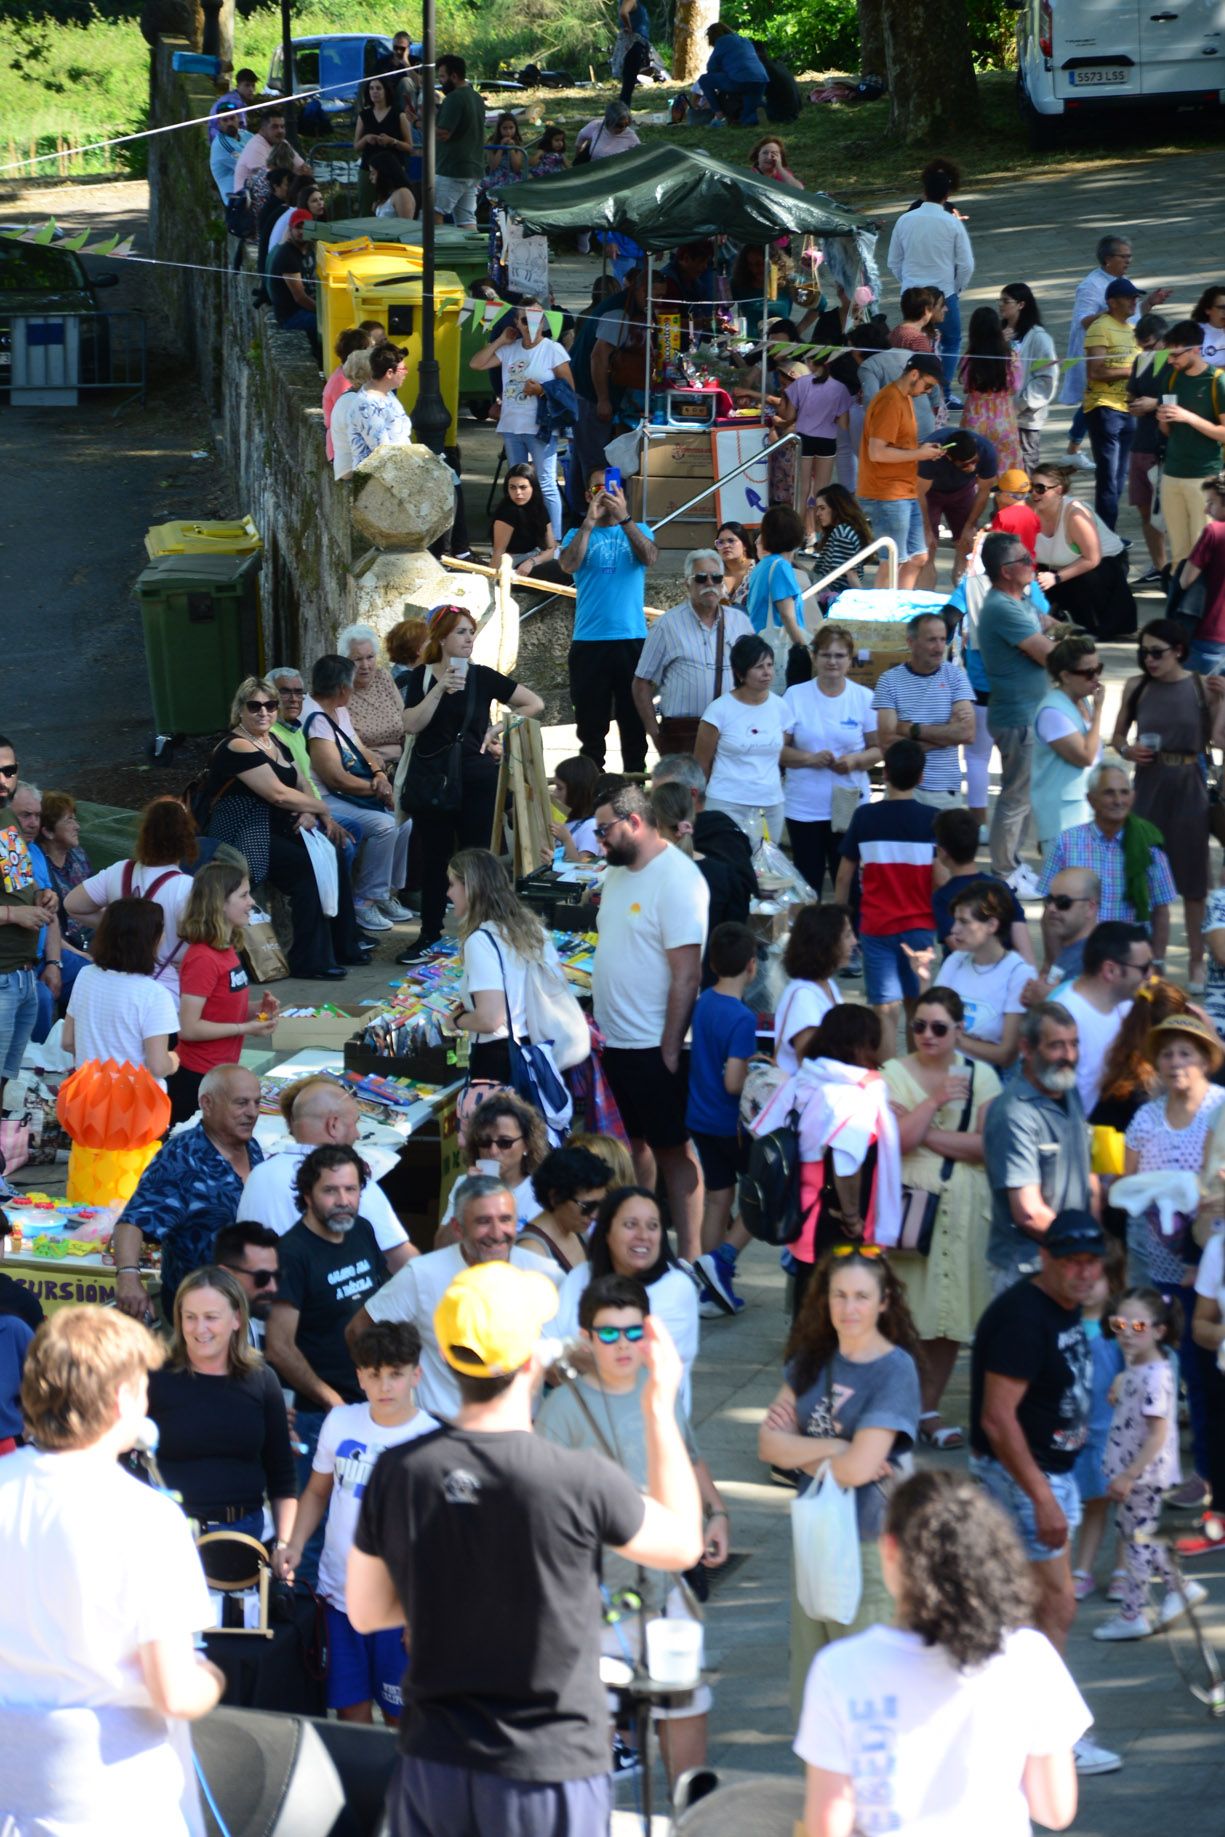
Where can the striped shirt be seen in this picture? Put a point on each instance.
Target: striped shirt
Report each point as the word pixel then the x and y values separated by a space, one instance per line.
pixel 893 843
pixel 680 655
pixel 928 699
pixel 1086 846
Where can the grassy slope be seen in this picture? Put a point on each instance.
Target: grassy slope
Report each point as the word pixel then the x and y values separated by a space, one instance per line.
pixel 78 84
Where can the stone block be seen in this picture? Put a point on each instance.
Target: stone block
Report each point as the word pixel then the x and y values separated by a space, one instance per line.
pixel 404 498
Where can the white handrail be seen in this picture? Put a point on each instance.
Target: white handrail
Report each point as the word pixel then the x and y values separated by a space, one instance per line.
pixel 882 542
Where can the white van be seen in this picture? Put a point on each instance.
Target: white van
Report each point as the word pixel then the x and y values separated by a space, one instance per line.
pixel 1081 58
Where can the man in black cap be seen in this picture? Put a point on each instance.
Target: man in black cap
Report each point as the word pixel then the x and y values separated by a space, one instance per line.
pixel 1030 1393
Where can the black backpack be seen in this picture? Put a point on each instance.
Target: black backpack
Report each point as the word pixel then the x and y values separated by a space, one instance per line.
pixel 239 217
pixel 769 1190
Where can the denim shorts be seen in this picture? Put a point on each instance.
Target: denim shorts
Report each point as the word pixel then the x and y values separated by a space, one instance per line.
pixel 886 967
pixel 900 518
pixel 1020 1507
pixel 456 198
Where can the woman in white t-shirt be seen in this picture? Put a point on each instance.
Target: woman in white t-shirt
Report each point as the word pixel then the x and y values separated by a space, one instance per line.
pixel 985 973
pixel 960 1718
pixel 500 938
pixel 830 741
pixel 818 949
pixel 116 1009
pixel 167 836
pixel 740 741
pixel 529 360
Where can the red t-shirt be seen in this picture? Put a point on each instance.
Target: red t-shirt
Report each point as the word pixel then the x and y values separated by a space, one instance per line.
pixel 1209 556
pixel 217 975
pixel 1019 520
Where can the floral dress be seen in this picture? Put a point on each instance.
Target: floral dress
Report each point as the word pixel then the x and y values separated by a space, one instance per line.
pixel 1154 1261
pixel 993 413
pixel 947 1290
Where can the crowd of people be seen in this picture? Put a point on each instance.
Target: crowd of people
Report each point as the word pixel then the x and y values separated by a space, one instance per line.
pixel 405 1428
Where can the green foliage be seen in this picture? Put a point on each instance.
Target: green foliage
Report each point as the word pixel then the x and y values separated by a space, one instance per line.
pixel 823 35
pixel 64 85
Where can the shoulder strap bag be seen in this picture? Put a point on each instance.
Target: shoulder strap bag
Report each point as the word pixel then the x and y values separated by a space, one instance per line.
pixel 919 1208
pixel 533 1072
pixel 434 782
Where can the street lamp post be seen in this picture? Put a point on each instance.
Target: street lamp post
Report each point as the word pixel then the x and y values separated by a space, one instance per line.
pixel 430 417
pixel 287 70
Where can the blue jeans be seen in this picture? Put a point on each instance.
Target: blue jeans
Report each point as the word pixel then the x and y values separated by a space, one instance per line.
pixel 308 1424
pixel 530 449
pixel 752 95
pixel 384 847
pixel 950 341
pixel 1207 657
pixel 900 518
pixel 18 1012
pixel 1016 1502
pixel 1078 429
pixel 70 969
pixel 1110 436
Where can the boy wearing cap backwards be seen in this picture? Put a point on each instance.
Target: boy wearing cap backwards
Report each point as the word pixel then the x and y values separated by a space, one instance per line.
pixel 1031 1381
pixel 604 1411
pixel 361 1666
pixel 485 1543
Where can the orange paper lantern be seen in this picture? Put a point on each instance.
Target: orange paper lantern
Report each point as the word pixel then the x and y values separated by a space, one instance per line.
pixel 113 1106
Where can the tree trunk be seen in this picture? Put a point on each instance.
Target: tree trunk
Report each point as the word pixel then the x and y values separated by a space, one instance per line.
pixel 930 70
pixel 689 47
pixel 872 62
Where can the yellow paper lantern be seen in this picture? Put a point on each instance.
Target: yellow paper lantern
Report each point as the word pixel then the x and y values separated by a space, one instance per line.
pixel 106 1176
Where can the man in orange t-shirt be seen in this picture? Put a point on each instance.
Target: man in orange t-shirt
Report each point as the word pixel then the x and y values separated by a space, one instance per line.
pixel 889 466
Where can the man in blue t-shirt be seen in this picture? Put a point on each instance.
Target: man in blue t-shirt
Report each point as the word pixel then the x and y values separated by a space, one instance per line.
pixel 1013 644
pixel 608 555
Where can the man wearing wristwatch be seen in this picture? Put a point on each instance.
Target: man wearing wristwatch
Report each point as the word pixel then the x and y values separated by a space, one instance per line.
pixel 930 700
pixel 25 909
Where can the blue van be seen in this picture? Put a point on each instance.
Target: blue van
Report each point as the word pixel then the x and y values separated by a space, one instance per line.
pixel 334 63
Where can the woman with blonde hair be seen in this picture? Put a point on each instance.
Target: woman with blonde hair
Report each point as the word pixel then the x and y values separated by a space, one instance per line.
pixel 217 1008
pixel 501 937
pixel 451 783
pixel 357 373
pixel 224 1438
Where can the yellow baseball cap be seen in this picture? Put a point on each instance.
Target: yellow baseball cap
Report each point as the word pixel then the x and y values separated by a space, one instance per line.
pixel 493 1313
pixel 1014 481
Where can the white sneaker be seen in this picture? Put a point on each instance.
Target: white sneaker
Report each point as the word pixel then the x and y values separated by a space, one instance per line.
pixel 1081 462
pixel 393 910
pixel 371 918
pixel 1090 1758
pixel 1174 1604
pixel 1024 883
pixel 1123 1628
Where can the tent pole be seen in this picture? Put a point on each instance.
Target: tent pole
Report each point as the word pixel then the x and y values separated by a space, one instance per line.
pixel 765 304
pixel 646 406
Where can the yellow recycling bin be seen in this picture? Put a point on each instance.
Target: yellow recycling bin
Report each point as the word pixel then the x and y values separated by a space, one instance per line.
pixel 382 281
pixel 239 538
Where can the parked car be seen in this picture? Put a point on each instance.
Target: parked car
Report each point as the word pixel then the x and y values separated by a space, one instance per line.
pixel 1077 59
pixel 334 63
pixel 39 279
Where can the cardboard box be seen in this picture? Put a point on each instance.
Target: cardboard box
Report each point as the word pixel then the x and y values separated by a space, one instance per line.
pixel 664 495
pixel 869 672
pixel 682 455
pixel 327 1030
pixel 685 536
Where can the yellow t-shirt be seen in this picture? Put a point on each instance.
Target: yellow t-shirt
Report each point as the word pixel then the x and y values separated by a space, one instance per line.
pixel 1117 343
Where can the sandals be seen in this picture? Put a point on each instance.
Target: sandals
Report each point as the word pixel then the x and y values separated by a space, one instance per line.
pixel 1083 1584
pixel 943 1438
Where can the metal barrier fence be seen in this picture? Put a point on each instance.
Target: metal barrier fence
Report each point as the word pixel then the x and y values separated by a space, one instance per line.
pixel 58 359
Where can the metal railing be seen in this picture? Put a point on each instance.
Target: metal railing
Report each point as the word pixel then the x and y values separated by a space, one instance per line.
pixel 882 542
pixel 55 359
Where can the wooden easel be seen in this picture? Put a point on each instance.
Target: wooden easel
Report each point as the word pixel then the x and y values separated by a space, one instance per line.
pixel 522 777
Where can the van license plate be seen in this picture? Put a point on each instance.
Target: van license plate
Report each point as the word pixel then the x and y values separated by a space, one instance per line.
pixel 1099 76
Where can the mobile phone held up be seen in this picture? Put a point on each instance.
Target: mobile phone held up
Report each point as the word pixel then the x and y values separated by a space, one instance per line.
pixel 612 478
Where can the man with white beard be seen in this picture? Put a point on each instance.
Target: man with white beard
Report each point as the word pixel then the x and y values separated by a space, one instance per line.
pixel 1036 1146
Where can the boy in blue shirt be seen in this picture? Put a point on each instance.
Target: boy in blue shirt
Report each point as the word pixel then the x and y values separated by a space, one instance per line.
pixel 724 1039
pixel 774 587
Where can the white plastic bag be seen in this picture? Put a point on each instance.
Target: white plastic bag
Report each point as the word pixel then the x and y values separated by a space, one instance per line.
pixel 326 870
pixel 825 1550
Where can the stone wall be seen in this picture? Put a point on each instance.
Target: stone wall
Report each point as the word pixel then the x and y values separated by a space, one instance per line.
pixel 264 390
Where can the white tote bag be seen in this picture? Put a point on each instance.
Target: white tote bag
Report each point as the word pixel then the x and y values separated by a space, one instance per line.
pixel 825 1549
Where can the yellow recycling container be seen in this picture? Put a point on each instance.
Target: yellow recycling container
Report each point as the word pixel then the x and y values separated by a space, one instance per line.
pixel 364 280
pixel 240 538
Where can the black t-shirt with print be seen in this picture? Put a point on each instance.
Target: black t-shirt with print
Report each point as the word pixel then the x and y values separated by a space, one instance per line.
pixel 1027 1336
pixel 493 1542
pixel 328 1283
pixel 475 699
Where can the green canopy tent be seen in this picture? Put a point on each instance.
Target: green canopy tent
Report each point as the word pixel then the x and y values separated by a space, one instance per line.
pixel 662 196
